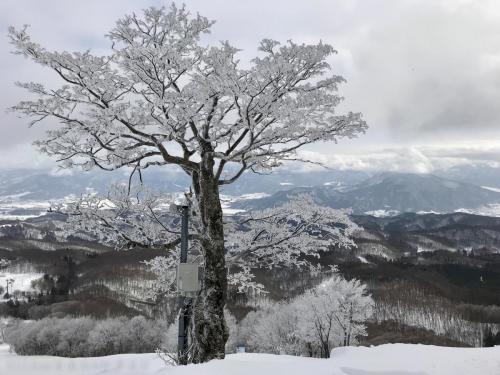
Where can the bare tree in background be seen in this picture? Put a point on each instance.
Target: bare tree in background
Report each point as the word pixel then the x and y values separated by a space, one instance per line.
pixel 160 97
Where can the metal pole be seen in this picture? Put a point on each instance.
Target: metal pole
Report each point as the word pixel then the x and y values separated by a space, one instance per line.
pixel 184 234
pixel 184 302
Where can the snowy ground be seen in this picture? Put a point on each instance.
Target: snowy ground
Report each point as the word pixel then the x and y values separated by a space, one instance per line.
pixel 391 359
pixel 22 281
pixel 489 210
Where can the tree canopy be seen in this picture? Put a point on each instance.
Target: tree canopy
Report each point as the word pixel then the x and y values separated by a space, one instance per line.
pixel 160 97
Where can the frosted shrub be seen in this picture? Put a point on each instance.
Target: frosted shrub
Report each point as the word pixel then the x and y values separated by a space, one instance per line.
pixel 274 330
pixel 23 338
pixel 143 335
pixel 107 337
pixel 48 338
pixel 82 337
pixel 73 336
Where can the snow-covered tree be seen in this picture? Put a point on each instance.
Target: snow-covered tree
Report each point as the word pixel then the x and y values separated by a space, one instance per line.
pixel 330 315
pixel 160 98
pixel 291 235
pixel 334 313
pixel 4 263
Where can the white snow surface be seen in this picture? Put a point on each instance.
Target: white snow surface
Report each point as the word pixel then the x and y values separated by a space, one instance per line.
pixel 382 213
pixel 362 259
pixel 389 359
pixel 228 200
pixel 22 281
pixel 11 203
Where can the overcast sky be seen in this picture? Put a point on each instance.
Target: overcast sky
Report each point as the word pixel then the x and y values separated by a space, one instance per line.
pixel 425 74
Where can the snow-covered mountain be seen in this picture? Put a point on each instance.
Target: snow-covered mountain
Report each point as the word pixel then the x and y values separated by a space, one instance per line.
pixel 29 185
pixel 392 193
pixel 27 192
pixel 478 174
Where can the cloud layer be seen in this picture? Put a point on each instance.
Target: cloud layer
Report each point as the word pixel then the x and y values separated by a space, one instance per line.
pixel 426 74
pixel 415 159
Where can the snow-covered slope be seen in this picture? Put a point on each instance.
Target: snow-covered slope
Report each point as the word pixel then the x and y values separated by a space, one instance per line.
pixel 390 359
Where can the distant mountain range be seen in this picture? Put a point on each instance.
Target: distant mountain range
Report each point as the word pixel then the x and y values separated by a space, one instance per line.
pixel 379 194
pixel 390 193
pixel 41 185
pixel 483 174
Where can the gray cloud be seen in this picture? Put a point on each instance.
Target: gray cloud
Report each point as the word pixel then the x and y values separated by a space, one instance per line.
pixel 421 71
pixel 416 159
pixel 432 68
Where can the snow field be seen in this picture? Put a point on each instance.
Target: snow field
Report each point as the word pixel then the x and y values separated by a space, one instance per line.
pixel 389 359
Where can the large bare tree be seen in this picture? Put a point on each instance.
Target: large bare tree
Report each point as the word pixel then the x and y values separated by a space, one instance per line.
pixel 160 97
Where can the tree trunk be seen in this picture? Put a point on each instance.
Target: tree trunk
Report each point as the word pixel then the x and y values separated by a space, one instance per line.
pixel 325 349
pixel 209 329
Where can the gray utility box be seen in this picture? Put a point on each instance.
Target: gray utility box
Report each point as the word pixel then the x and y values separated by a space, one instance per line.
pixel 187 278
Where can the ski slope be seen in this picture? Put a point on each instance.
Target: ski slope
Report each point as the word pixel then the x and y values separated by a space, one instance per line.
pixel 390 359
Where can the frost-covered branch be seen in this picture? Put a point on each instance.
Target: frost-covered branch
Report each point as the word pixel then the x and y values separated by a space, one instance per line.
pixel 288 235
pixel 291 235
pixel 124 220
pixel 161 98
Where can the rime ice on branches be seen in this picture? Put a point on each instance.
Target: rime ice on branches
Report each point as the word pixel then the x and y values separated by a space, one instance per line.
pixel 160 97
